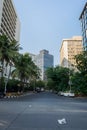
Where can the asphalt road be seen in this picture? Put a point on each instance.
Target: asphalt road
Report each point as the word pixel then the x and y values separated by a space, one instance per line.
pixel 43 111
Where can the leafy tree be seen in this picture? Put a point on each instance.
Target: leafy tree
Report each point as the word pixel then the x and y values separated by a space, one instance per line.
pixel 12 85
pixel 51 78
pixel 59 77
pixel 21 67
pixel 8 49
pixel 40 84
pixel 79 80
pixel 50 84
pixel 63 78
pixel 79 83
pixel 4 51
pixel 50 72
pixel 81 60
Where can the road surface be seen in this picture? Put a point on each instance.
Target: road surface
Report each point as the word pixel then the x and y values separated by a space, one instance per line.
pixel 43 111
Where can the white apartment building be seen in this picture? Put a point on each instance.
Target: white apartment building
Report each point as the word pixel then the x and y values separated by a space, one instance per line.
pixel 9 21
pixel 70 48
pixel 43 60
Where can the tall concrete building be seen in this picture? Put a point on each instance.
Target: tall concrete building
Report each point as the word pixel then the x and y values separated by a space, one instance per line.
pixel 43 60
pixel 83 18
pixel 70 48
pixel 9 21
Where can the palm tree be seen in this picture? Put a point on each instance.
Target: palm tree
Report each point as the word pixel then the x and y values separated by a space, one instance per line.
pixel 21 68
pixel 13 51
pixel 8 50
pixel 4 45
pixel 24 68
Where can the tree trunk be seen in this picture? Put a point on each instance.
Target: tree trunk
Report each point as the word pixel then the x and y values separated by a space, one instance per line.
pixel 6 82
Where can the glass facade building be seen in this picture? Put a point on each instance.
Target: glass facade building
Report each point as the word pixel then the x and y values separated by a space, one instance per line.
pixel 83 18
pixel 43 60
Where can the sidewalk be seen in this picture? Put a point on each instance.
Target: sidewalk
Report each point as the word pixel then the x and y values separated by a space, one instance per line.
pixel 15 95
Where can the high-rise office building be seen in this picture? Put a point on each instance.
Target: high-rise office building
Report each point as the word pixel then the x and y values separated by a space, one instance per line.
pixel 43 60
pixel 83 18
pixel 70 48
pixel 9 21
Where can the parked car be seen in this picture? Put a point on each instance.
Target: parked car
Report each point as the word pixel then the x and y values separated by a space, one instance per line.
pixel 42 89
pixel 38 90
pixel 69 94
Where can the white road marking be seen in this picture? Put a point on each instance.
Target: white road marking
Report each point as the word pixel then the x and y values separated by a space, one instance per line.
pixel 2 123
pixel 62 121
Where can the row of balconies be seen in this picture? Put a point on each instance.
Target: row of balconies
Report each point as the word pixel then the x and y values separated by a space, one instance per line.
pixel 8 17
pixel 8 4
pixel 4 24
pixel 5 30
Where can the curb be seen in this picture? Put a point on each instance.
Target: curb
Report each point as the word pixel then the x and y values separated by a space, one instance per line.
pixel 13 96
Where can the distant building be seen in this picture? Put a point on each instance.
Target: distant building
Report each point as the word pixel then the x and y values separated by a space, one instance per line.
pixel 9 21
pixel 83 18
pixel 43 60
pixel 70 48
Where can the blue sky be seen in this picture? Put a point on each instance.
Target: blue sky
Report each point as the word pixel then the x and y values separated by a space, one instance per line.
pixel 44 23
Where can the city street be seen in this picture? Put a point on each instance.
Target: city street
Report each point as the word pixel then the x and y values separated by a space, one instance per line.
pixel 43 111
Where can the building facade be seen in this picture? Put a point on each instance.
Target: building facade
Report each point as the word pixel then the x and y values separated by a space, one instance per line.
pixel 83 18
pixel 43 60
pixel 9 21
pixel 70 48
